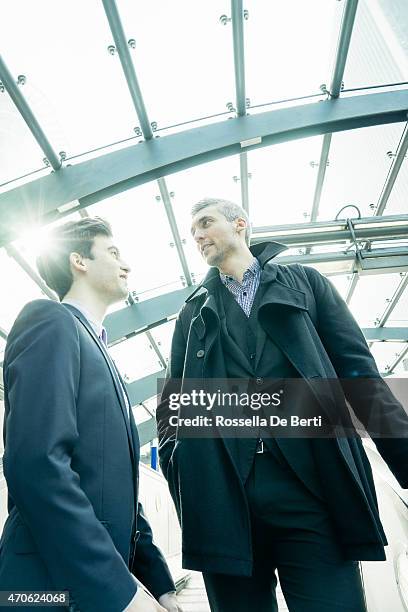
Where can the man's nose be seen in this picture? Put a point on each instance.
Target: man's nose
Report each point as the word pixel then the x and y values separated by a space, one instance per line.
pixel 198 235
pixel 125 267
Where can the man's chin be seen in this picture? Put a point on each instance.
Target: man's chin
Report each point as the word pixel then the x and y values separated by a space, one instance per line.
pixel 121 296
pixel 213 261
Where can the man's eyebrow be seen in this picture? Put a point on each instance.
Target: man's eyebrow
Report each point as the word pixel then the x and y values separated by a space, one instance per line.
pixel 114 248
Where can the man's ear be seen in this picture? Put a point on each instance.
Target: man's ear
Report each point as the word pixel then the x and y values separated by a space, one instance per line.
pixel 77 262
pixel 241 225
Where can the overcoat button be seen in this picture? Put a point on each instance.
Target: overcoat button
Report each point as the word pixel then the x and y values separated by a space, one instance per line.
pixel 200 353
pixel 259 381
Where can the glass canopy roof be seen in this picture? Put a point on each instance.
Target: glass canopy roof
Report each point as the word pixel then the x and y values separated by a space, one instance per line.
pixel 104 75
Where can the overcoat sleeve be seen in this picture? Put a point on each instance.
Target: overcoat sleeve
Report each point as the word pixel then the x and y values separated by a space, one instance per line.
pixel 172 384
pixel 366 391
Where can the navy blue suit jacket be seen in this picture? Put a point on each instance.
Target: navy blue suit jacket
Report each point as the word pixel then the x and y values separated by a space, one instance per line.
pixel 71 465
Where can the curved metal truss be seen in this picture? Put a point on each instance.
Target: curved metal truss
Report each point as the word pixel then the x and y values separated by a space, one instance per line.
pixel 353 246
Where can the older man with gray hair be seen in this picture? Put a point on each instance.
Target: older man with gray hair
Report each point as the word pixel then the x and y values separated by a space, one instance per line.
pixel 305 507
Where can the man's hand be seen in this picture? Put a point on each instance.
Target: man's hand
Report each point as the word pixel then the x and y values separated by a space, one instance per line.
pixel 169 602
pixel 142 602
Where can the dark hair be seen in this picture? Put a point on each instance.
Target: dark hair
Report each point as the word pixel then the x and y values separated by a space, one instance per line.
pixel 71 237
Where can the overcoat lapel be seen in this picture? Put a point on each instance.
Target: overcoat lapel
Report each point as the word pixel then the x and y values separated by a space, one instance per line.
pixel 279 316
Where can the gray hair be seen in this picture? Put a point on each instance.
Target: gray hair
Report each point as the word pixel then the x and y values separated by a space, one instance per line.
pixel 230 210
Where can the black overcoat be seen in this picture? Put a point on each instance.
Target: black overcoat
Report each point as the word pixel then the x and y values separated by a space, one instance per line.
pixel 305 316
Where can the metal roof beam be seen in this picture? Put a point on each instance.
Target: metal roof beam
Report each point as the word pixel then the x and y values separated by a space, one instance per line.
pixel 147 387
pixel 148 314
pixel 3 333
pixel 393 301
pixel 243 165
pixel 237 16
pixel 96 179
pixel 144 315
pixel 12 252
pixel 122 48
pixel 324 157
pixel 375 261
pixel 147 431
pixel 390 369
pixel 352 287
pixel 343 45
pixel 393 172
pixel 118 33
pixel 321 232
pixel 164 192
pixel 144 388
pixel 346 30
pixel 28 115
pixel 386 334
pixel 156 349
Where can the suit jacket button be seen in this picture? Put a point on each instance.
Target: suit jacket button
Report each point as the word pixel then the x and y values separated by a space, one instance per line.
pixel 200 353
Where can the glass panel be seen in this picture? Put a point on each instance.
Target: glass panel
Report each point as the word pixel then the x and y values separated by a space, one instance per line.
pixel 395 16
pixel 142 232
pixel 219 179
pixel 401 371
pixel 397 202
pixel 2 482
pixel 151 405
pixel 34 240
pixel 342 283
pixel 328 268
pixel 376 54
pixel 146 454
pixel 331 248
pixel 18 290
pixel 283 57
pixel 385 353
pixel 2 349
pixel 74 86
pixel 370 297
pixel 135 358
pixel 283 181
pixel 163 335
pixel 194 74
pixel 358 168
pixel 19 152
pixel 399 316
pixel 141 414
pixel 332 268
pixel 160 290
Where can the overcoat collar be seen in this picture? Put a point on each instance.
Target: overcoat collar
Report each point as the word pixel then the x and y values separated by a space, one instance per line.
pixel 275 291
pixel 264 252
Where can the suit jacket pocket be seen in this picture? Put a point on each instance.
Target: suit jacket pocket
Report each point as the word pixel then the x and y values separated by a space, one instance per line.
pixel 23 543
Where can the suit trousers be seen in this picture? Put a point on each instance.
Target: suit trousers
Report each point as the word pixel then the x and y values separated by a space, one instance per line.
pixel 291 534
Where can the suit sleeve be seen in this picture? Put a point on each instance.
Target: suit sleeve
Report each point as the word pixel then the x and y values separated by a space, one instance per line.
pixel 149 565
pixel 172 384
pixel 42 372
pixel 368 394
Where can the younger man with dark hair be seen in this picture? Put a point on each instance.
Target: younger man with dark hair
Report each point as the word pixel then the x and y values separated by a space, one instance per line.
pixel 71 444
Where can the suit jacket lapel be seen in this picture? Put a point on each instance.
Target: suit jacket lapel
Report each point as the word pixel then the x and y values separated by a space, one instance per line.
pixel 114 373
